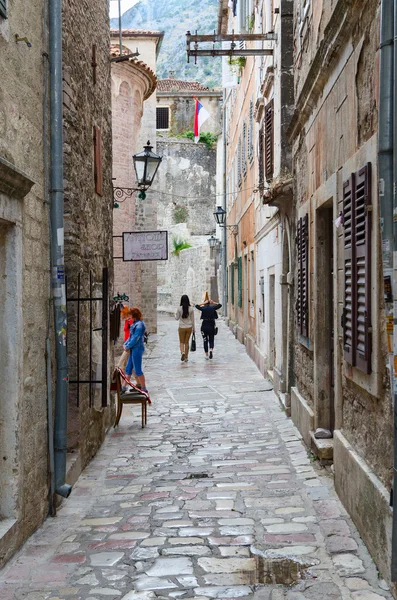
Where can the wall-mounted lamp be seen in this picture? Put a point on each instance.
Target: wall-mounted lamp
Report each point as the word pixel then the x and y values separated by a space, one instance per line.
pixel 146 164
pixel 220 218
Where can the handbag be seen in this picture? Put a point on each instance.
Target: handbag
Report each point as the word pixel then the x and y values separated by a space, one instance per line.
pixel 216 331
pixel 193 344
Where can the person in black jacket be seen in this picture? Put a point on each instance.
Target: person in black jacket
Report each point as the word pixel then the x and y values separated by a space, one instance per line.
pixel 208 315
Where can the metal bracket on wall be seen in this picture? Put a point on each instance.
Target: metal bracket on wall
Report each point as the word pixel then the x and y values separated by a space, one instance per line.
pixel 232 38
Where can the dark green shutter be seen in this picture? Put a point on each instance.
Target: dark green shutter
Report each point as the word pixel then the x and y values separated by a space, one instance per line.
pixel 240 282
pixel 232 281
pixel 3 8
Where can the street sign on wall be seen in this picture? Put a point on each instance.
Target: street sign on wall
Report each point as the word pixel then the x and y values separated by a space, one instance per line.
pixel 145 245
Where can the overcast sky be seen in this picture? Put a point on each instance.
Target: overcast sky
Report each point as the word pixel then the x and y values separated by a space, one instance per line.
pixel 125 5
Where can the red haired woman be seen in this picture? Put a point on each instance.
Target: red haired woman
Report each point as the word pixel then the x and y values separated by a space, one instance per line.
pixel 125 313
pixel 136 345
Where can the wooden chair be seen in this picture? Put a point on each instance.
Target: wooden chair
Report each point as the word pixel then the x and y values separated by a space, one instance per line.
pixel 137 396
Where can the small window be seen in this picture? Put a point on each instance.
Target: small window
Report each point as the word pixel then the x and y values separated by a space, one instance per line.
pixel 3 9
pixel 162 117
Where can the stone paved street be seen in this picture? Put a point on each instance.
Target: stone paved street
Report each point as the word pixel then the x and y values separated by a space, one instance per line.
pixel 215 499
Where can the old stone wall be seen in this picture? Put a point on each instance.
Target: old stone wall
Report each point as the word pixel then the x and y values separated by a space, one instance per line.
pixel 24 277
pixel 186 201
pixel 88 210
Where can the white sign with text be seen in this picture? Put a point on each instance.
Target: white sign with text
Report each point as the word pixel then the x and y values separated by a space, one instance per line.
pixel 145 245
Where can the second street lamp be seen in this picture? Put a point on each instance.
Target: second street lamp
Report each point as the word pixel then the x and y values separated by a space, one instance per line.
pixel 146 164
pixel 213 242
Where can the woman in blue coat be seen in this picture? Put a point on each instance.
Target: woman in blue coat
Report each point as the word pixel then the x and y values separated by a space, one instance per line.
pixel 208 315
pixel 136 345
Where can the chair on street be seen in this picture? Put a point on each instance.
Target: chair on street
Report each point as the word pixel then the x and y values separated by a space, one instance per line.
pixel 134 395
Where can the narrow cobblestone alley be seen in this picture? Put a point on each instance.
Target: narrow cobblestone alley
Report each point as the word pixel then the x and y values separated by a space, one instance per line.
pixel 216 497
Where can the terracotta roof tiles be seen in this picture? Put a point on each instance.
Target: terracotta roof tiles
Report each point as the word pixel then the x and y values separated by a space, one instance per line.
pixel 178 85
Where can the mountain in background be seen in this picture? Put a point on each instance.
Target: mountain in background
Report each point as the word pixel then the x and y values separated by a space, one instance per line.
pixel 175 18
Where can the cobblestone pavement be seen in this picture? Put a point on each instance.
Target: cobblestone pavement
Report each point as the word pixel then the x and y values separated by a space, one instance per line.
pixel 215 497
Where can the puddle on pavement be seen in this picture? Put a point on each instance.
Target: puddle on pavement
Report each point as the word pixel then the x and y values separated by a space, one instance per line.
pixel 273 569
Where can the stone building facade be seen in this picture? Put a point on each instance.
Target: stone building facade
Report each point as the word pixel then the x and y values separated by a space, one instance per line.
pixel 24 278
pixel 134 124
pixel 88 216
pixel 341 380
pixel 175 106
pixel 310 309
pixel 186 203
pixel 25 299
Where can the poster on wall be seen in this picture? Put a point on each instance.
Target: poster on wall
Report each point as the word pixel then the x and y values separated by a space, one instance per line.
pixel 145 245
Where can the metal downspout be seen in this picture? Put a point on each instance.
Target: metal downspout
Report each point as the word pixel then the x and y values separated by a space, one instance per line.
pixel 57 246
pixel 224 206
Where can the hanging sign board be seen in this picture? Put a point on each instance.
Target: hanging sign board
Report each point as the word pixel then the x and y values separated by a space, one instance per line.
pixel 145 245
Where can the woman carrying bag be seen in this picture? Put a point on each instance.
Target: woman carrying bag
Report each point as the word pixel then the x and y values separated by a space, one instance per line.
pixel 208 329
pixel 185 316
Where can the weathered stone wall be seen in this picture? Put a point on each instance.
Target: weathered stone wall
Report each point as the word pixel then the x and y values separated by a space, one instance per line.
pixel 24 279
pixel 186 202
pixel 335 134
pixel 88 215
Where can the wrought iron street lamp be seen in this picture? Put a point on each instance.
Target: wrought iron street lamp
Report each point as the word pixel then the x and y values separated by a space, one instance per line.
pixel 213 242
pixel 146 164
pixel 220 218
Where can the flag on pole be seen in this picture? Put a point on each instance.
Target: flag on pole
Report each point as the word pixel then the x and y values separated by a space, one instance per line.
pixel 200 115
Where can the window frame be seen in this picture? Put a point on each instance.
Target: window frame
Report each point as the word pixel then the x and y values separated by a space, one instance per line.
pixel 161 106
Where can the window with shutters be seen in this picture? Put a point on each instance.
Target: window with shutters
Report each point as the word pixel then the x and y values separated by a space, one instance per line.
pixel 240 281
pixel 244 150
pixel 251 132
pixel 302 299
pixel 3 9
pixel 269 140
pixel 98 176
pixel 261 172
pixel 162 117
pixel 356 321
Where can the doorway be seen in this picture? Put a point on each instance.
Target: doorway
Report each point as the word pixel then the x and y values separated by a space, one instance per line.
pixel 324 332
pixel 272 323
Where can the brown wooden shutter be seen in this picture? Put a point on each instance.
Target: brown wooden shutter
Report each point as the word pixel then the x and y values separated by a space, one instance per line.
pixel 261 173
pixel 362 217
pixel 98 161
pixel 357 336
pixel 269 135
pixel 302 300
pixel 349 329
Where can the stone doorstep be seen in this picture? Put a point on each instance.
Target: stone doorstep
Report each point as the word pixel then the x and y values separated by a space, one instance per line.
pixel 8 531
pixel 323 449
pixel 285 402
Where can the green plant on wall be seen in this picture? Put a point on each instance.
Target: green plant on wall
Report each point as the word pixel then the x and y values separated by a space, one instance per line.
pixel 251 22
pixel 237 64
pixel 181 214
pixel 179 245
pixel 207 138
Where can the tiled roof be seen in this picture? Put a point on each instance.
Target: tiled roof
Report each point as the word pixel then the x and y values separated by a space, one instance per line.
pixel 178 85
pixel 139 65
pixel 136 33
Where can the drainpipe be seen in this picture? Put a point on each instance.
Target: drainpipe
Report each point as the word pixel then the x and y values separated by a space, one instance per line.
pixel 57 246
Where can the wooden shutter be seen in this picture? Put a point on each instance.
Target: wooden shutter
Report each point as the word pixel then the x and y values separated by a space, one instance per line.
pixel 3 8
pixel 251 132
pixel 239 173
pixel 269 135
pixel 302 300
pixel 261 174
pixel 349 286
pixel 357 337
pixel 240 281
pixel 232 281
pixel 244 149
pixel 98 161
pixel 362 217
